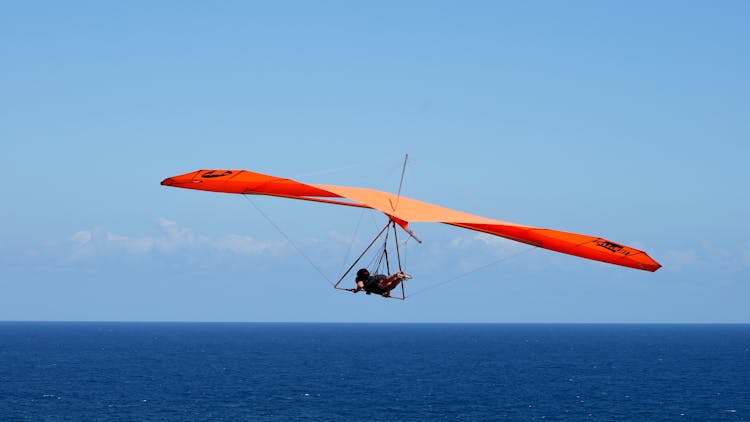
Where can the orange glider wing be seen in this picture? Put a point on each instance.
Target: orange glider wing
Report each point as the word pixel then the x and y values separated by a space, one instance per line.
pixel 404 210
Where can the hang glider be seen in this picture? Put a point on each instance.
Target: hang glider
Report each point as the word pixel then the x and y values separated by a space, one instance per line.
pixel 403 210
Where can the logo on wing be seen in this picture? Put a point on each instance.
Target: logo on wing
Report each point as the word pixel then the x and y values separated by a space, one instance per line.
pixel 612 246
pixel 216 173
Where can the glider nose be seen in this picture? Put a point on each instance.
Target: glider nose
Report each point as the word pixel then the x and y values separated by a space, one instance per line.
pixel 167 182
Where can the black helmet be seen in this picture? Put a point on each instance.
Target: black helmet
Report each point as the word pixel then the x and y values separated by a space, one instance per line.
pixel 362 274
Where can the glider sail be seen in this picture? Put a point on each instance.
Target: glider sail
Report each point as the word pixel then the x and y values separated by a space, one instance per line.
pixel 403 211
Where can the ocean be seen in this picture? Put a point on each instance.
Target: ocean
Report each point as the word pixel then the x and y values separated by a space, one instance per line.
pixel 54 371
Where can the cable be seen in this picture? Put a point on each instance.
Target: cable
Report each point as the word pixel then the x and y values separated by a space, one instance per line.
pixel 291 242
pixel 351 242
pixel 481 267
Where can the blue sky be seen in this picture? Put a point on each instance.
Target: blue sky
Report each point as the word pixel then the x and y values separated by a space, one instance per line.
pixel 624 120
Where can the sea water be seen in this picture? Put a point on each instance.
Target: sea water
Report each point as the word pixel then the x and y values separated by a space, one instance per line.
pixel 370 372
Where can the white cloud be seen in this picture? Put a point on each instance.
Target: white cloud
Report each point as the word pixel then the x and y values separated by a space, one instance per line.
pixel 498 242
pixel 679 259
pixel 82 237
pixel 82 244
pixel 468 251
pixel 172 240
pixel 246 245
pixel 708 255
pixel 484 245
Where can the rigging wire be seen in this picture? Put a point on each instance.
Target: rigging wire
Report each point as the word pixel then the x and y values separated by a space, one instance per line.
pixel 336 286
pixel 351 242
pixel 351 166
pixel 386 169
pixel 472 271
pixel 291 242
pixel 379 257
pixel 401 183
pixel 374 258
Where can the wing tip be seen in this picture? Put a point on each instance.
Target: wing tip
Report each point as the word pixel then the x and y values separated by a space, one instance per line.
pixel 652 267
